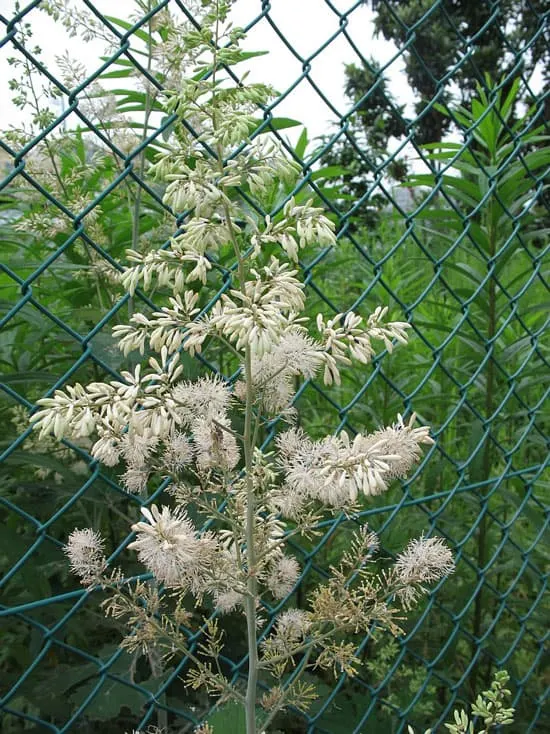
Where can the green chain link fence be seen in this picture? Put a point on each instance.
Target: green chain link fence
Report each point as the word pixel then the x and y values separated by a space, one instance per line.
pixel 476 371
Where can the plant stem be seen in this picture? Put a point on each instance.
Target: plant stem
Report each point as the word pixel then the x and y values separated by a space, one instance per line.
pixel 249 437
pixel 250 557
pixel 141 163
pixel 487 452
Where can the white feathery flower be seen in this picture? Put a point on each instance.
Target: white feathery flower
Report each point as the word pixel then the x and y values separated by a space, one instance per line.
pixel 68 413
pixel 293 624
pixel 228 601
pixel 282 232
pixel 163 329
pixel 85 552
pixel 424 560
pixel 288 501
pixel 132 336
pixel 377 329
pixel 197 331
pixel 296 353
pixel 342 333
pixel 403 441
pixel 233 127
pixel 168 545
pixel 274 389
pixel 201 234
pixel 257 326
pixel 336 469
pixel 262 164
pixel 291 628
pixel 292 443
pixel 193 188
pixel 137 448
pixel 178 452
pixel 272 374
pixel 278 281
pixel 353 466
pixel 135 480
pixel 283 574
pixel 216 448
pixel 202 266
pixel 206 397
pixel 164 265
pixel 301 353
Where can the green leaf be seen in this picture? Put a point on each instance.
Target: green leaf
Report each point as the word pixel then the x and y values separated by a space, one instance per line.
pixel 476 445
pixel 467 271
pixel 245 55
pixel 302 144
pixel 45 461
pixel 328 172
pixel 479 235
pixel 117 74
pixel 282 123
pixel 141 99
pixel 118 62
pixel 229 719
pixel 507 106
pixel 29 376
pixel 138 32
pixel 442 144
pixel 109 700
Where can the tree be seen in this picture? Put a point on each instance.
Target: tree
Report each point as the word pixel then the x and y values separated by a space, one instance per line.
pixel 456 42
pixel 362 148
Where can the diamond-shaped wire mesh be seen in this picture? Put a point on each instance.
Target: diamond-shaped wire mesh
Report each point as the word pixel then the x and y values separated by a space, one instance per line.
pixel 71 205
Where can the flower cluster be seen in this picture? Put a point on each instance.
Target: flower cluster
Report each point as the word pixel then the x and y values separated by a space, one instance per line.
pixel 169 546
pixel 337 469
pixel 85 551
pixel 206 435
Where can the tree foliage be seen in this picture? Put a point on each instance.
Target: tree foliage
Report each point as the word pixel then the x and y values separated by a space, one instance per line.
pixel 438 39
pixel 361 148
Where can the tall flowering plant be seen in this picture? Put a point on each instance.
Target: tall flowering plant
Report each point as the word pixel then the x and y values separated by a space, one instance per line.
pixel 204 435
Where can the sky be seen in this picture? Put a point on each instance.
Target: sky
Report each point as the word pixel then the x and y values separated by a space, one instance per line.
pixel 307 24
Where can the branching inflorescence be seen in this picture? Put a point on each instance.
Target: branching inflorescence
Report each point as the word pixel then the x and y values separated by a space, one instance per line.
pixel 204 435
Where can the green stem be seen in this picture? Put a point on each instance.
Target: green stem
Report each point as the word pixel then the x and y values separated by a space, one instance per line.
pixel 249 436
pixel 487 455
pixel 248 444
pixel 141 163
pixel 252 583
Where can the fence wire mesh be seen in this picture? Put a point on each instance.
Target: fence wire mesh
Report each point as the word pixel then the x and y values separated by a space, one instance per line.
pixel 75 195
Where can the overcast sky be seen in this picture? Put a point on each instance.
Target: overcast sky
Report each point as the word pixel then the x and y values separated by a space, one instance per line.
pixel 306 24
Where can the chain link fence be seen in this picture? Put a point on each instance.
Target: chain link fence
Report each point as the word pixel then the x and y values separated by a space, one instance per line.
pixel 465 263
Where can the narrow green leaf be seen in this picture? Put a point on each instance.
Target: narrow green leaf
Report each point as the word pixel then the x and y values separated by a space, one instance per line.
pixel 507 105
pixel 117 74
pixel 139 32
pixel 281 123
pixel 329 172
pixel 29 376
pixel 466 270
pixel 476 449
pixel 302 144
